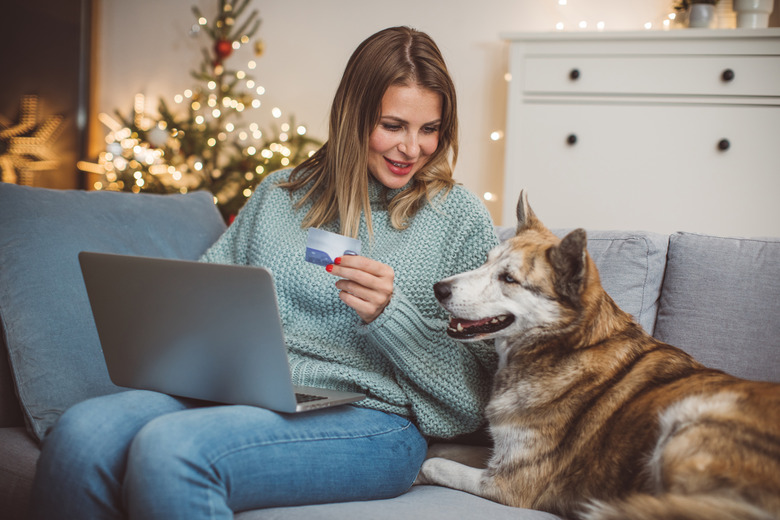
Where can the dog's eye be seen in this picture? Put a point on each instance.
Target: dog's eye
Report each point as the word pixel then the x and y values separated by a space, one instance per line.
pixel 507 278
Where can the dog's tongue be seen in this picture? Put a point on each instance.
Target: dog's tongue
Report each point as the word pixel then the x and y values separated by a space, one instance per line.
pixel 460 324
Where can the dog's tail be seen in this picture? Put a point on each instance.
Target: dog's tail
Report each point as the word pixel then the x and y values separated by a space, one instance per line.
pixel 677 507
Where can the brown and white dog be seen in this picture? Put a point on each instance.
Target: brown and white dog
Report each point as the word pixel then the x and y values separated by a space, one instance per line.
pixel 590 416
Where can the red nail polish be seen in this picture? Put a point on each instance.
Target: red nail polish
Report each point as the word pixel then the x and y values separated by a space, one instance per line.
pixel 337 261
pixel 329 268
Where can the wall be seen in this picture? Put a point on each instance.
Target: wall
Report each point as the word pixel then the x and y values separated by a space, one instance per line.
pixel 144 47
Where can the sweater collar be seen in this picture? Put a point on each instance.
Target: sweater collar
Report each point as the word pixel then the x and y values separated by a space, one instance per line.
pixel 378 194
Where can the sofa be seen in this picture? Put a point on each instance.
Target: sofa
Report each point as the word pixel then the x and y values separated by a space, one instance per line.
pixel 716 297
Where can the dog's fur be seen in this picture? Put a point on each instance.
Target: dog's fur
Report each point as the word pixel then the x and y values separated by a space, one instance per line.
pixel 590 416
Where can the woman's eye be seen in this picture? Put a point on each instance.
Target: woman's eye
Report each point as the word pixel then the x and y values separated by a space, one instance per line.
pixel 391 128
pixel 430 129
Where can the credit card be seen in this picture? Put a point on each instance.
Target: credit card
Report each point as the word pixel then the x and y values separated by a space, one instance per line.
pixel 323 247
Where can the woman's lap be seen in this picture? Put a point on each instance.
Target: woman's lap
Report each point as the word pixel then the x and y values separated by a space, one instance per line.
pixel 208 460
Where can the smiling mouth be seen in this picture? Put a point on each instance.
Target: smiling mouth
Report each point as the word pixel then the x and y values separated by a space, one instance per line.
pixel 467 329
pixel 399 168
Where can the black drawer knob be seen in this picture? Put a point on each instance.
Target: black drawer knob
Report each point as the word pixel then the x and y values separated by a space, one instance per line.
pixel 571 139
pixel 724 145
pixel 574 74
pixel 728 75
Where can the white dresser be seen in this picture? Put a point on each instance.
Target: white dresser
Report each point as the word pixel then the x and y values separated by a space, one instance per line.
pixel 655 130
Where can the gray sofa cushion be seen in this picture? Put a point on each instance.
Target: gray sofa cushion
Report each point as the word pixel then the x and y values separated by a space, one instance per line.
pixel 17 469
pixel 631 266
pixel 428 502
pixel 717 293
pixel 47 324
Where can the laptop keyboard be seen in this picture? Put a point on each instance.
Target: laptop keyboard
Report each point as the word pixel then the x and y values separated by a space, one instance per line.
pixel 306 398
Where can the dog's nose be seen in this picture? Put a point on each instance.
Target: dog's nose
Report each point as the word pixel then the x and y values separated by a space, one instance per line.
pixel 442 291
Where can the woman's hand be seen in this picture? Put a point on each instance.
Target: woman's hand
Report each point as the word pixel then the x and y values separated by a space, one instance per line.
pixel 366 285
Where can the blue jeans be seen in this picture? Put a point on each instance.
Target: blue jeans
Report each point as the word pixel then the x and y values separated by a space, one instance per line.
pixel 140 454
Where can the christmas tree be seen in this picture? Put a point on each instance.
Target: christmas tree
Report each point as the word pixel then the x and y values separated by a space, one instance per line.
pixel 200 141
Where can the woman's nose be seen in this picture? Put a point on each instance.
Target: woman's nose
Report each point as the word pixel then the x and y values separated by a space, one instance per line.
pixel 409 146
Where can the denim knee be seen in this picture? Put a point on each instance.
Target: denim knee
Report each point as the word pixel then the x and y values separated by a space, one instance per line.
pixel 76 474
pixel 79 438
pixel 158 446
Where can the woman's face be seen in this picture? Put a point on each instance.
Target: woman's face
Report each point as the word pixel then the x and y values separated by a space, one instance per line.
pixel 406 136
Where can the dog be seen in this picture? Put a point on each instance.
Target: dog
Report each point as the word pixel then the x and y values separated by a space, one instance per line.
pixel 590 416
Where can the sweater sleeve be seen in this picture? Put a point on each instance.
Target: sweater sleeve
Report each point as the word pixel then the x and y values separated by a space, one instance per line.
pixel 447 382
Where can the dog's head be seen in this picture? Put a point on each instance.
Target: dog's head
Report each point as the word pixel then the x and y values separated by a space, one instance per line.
pixel 531 281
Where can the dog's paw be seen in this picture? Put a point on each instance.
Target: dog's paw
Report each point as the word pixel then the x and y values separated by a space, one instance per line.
pixel 426 476
pixel 421 480
pixel 438 471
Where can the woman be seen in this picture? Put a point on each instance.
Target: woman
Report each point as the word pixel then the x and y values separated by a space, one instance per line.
pixel 385 177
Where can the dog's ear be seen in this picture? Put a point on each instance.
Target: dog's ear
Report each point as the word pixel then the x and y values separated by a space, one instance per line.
pixel 569 262
pixel 526 219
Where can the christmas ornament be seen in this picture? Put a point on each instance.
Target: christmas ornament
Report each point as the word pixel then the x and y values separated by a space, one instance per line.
pixel 223 49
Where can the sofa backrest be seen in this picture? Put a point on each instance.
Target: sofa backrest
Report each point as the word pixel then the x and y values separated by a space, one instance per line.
pixel 717 298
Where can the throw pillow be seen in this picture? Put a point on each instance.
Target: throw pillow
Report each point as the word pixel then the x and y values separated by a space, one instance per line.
pixel 47 323
pixel 721 303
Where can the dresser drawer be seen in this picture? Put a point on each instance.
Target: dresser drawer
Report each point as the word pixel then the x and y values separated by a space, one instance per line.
pixel 653 75
pixel 650 166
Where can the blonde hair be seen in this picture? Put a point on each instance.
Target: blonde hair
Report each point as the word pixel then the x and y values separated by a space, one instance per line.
pixel 336 177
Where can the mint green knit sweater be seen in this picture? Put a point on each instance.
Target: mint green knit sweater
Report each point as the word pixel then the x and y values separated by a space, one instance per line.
pixel 404 361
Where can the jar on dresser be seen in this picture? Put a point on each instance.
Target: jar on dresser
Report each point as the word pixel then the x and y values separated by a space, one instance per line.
pixel 656 130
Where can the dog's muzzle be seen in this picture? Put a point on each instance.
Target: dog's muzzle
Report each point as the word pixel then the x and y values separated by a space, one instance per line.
pixel 464 329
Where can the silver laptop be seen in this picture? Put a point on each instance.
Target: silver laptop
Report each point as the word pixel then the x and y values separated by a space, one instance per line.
pixel 198 330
